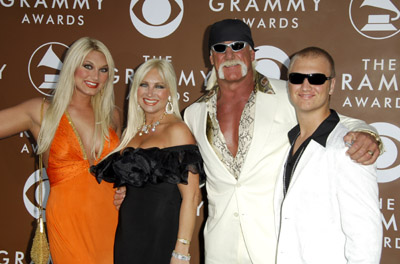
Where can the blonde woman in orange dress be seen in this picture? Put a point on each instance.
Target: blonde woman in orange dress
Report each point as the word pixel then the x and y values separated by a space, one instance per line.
pixel 74 129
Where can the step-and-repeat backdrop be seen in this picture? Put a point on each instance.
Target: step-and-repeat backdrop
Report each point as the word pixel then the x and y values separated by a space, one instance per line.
pixel 361 35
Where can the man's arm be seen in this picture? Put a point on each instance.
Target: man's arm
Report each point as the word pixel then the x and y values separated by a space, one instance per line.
pixel 364 141
pixel 357 194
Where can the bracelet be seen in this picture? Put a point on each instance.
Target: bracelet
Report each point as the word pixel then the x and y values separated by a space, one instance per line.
pixel 180 256
pixel 377 138
pixel 184 241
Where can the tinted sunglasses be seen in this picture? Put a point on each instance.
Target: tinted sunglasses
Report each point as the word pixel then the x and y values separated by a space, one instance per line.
pixel 235 46
pixel 313 78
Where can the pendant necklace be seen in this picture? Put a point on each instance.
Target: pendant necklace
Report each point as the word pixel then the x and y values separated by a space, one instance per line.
pixel 150 127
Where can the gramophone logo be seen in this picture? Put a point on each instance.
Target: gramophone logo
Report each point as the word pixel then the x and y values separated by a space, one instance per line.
pixel 375 19
pixel 44 66
pixel 156 18
pixel 270 60
pixel 389 162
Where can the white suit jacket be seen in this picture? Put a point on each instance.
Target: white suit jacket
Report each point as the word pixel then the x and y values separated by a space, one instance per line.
pixel 330 213
pixel 246 203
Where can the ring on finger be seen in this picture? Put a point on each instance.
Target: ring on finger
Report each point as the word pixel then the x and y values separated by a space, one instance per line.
pixel 370 152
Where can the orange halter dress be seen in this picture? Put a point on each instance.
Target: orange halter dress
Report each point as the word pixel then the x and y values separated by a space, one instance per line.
pixel 80 214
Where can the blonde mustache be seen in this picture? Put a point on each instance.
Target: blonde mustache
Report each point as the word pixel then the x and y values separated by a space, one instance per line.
pixel 229 63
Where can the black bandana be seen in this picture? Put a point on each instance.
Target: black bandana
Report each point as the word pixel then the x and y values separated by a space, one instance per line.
pixel 230 30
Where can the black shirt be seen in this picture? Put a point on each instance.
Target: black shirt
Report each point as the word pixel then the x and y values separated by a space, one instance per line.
pixel 320 135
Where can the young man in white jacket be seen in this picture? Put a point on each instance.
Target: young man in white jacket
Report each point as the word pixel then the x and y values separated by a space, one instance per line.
pixel 326 205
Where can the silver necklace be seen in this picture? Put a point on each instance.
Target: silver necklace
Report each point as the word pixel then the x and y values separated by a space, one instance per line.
pixel 150 127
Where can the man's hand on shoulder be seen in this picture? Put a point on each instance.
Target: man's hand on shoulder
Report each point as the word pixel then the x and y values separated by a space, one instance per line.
pixel 364 148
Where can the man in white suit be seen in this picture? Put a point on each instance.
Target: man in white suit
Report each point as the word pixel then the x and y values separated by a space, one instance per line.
pixel 326 206
pixel 240 126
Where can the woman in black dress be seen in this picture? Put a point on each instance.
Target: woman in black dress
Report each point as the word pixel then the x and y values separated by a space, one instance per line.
pixel 161 167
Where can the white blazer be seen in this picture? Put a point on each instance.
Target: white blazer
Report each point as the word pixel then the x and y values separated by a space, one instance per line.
pixel 247 202
pixel 330 213
pixel 246 205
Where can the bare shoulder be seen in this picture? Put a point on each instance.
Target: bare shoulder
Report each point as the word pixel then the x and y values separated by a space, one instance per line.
pixel 179 134
pixel 31 108
pixel 39 105
pixel 117 113
pixel 35 102
pixel 117 120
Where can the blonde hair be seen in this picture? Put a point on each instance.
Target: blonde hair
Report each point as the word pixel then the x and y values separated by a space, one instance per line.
pixel 313 52
pixel 135 113
pixel 102 102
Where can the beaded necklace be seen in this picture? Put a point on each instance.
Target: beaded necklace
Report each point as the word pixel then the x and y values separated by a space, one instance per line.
pixel 150 127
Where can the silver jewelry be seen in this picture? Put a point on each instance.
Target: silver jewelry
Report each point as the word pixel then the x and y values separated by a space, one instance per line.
pixel 169 108
pixel 370 152
pixel 180 256
pixel 349 144
pixel 150 127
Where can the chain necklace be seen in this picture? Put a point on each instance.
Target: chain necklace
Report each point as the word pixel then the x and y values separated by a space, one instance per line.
pixel 150 127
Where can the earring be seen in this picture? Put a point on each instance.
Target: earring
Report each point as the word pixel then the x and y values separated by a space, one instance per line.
pixel 169 109
pixel 101 92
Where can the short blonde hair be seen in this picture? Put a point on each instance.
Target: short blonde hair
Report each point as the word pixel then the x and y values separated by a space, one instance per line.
pixel 313 52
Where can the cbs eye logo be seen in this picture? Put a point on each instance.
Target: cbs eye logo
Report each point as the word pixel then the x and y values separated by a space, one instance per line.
pixel 32 186
pixel 270 61
pixel 389 162
pixel 156 18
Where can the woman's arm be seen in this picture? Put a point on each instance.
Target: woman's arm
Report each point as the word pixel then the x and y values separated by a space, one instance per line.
pixel 179 134
pixel 25 116
pixel 187 218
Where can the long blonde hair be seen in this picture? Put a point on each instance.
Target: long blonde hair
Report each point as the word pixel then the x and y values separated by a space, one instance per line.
pixel 102 102
pixel 135 113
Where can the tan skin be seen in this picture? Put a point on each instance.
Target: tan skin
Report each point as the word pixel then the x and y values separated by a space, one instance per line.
pixel 232 98
pixel 235 91
pixel 172 131
pixel 310 101
pixel 309 111
pixel 27 115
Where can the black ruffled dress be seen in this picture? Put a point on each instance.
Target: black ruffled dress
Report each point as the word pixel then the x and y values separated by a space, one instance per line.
pixel 149 215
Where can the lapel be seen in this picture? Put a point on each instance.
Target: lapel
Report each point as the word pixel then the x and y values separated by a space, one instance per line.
pixel 205 144
pixel 309 158
pixel 266 107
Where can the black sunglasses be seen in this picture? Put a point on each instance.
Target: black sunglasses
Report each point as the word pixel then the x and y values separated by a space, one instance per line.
pixel 235 46
pixel 313 78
